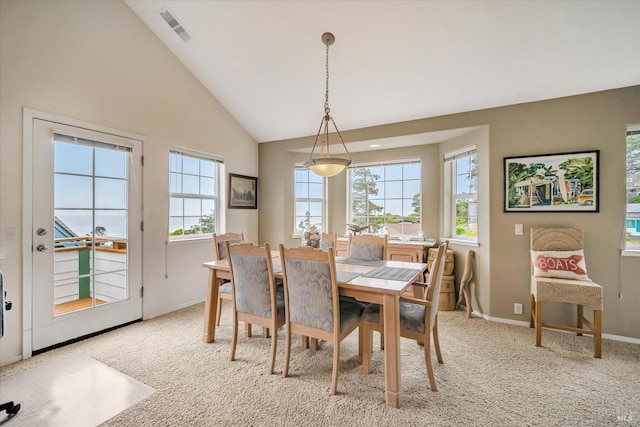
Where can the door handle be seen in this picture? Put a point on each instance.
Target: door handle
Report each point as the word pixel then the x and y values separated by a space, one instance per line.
pixel 41 248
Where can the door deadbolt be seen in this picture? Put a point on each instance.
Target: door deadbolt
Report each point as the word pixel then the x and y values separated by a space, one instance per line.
pixel 41 232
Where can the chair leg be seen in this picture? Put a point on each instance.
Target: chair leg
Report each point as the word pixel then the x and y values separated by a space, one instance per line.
pixel 234 337
pixel 580 315
pixel 305 342
pixel 532 311
pixel 436 342
pixel 274 347
pixel 381 329
pixel 427 358
pixel 597 333
pixel 219 311
pixel 336 362
pixel 538 323
pixel 287 352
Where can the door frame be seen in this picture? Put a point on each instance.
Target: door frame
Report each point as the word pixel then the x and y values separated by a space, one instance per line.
pixel 29 115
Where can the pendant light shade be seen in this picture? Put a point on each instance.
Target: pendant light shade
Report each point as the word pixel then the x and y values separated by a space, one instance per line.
pixel 323 163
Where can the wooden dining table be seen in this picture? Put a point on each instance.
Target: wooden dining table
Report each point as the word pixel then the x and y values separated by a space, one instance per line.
pixel 372 285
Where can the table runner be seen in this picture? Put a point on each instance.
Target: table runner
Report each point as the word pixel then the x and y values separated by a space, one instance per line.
pixel 357 261
pixel 392 273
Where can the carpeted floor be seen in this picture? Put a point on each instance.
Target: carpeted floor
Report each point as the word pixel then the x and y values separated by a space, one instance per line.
pixel 492 375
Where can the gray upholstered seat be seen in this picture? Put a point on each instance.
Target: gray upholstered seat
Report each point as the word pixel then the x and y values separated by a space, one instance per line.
pixel 313 306
pixel 255 294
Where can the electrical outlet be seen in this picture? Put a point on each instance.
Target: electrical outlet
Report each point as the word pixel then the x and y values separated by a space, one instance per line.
pixel 517 308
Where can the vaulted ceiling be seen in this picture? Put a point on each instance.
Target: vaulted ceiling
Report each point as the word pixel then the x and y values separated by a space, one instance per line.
pixel 395 60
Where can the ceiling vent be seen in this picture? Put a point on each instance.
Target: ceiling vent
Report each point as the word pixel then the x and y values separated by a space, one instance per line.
pixel 175 25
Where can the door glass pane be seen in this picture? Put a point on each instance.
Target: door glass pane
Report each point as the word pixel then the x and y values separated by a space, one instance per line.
pixel 72 191
pixel 72 158
pixel 91 226
pixel 111 193
pixel 111 163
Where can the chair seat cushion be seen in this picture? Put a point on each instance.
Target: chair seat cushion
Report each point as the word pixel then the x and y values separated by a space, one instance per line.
pixel 350 311
pixel 225 287
pixel 582 292
pixel 411 316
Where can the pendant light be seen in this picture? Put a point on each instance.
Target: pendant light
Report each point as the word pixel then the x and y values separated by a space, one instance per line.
pixel 323 163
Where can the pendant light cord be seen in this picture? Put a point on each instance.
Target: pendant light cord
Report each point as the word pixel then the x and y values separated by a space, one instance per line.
pixel 326 93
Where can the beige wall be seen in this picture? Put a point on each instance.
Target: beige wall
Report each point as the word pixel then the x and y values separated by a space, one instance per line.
pixel 594 121
pixel 95 61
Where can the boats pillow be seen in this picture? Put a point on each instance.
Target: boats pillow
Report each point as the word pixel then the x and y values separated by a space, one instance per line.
pixel 559 264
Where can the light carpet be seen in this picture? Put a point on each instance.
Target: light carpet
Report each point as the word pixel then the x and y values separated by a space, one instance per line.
pixel 492 375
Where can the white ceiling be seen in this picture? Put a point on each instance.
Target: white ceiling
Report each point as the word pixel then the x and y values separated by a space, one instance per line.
pixel 395 60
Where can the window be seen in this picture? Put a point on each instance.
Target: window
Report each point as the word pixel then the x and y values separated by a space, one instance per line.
pixel 461 168
pixel 194 189
pixel 386 198
pixel 632 222
pixel 309 195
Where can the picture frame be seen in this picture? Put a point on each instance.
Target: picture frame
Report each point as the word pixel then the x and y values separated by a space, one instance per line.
pixel 243 192
pixel 560 182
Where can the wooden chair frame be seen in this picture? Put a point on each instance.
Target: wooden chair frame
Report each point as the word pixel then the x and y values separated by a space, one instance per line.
pixel 430 302
pixel 220 239
pixel 266 322
pixel 335 336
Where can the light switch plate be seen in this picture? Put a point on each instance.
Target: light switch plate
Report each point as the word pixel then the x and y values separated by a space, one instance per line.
pixel 519 229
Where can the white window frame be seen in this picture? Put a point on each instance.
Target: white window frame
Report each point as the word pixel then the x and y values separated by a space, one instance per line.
pixel 452 195
pixel 626 250
pixel 404 233
pixel 216 197
pixel 323 201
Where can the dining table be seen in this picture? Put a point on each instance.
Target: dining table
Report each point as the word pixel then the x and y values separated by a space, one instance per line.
pixel 379 282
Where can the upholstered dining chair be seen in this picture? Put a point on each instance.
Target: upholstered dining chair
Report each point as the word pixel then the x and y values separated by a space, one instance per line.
pixel 467 275
pixel 368 247
pixel 312 305
pixel 328 240
pixel 256 299
pixel 418 318
pixel 559 274
pixel 220 252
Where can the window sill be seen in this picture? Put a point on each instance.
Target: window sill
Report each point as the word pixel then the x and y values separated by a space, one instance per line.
pixel 461 242
pixel 202 238
pixel 630 253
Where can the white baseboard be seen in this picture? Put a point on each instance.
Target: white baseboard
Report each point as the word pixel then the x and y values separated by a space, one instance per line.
pixel 173 308
pixel 526 324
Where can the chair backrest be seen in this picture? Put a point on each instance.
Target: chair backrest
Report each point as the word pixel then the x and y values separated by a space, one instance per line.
pixel 368 247
pixel 328 240
pixel 435 281
pixel 556 239
pixel 468 267
pixel 310 287
pixel 252 282
pixel 219 249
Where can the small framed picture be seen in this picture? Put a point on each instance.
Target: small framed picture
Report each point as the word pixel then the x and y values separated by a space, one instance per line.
pixel 243 192
pixel 562 182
